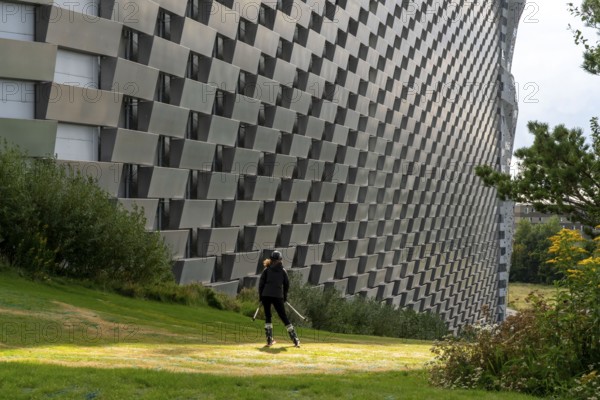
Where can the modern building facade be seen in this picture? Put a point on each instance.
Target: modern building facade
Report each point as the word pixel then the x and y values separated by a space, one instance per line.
pixel 343 133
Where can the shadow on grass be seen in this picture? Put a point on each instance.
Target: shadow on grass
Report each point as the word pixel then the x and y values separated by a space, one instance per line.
pixel 272 350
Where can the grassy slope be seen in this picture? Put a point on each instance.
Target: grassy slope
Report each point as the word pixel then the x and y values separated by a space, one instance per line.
pixel 518 292
pixel 69 342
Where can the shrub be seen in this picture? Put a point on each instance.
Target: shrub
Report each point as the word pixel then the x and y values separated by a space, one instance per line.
pixel 521 354
pixel 549 349
pixel 55 221
pixel 247 299
pixel 328 310
pixel 190 295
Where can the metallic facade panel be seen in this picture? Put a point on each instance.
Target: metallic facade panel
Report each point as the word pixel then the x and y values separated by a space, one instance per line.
pixel 147 206
pixel 194 270
pixel 162 118
pixel 223 75
pixel 222 18
pixel 35 137
pixel 108 176
pixel 217 185
pixel 176 241
pixel 79 105
pixel 129 78
pixel 192 154
pixel 19 65
pixel 127 146
pixel 196 96
pixel 187 214
pixel 136 14
pixel 160 182
pixel 177 7
pixel 94 35
pixel 192 31
pixel 164 55
pixel 218 130
pixel 246 57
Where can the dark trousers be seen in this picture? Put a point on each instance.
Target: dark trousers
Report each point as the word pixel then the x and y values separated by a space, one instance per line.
pixel 279 307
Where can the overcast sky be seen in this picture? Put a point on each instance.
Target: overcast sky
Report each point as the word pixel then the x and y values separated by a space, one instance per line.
pixel 552 87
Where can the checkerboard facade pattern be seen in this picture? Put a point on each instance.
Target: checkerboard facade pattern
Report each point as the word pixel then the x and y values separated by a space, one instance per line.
pixel 342 133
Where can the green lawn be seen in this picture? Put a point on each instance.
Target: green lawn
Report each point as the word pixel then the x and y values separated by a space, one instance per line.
pixel 64 341
pixel 518 292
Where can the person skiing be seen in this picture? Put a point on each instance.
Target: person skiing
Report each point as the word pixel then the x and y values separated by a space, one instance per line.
pixel 273 289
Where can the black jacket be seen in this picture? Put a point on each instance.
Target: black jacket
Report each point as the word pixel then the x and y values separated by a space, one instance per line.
pixel 274 282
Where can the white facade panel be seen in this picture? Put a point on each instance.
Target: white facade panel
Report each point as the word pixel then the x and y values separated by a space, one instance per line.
pixel 76 69
pixel 17 99
pixel 76 142
pixel 17 21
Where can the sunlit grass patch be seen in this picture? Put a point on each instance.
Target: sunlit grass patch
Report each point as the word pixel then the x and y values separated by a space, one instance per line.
pixel 518 292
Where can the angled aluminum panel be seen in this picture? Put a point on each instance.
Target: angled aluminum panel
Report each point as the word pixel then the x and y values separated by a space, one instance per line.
pixel 320 273
pixel 217 185
pixel 37 138
pixel 93 35
pixel 218 130
pixel 192 154
pixel 194 270
pixel 163 119
pixel 20 66
pixel 239 213
pixel 86 106
pixel 189 214
pixel 260 187
pixel 129 78
pixel 148 207
pixel 160 182
pixel 108 176
pixel 217 241
pixel 164 55
pixel 261 138
pixel 176 241
pixel 192 31
pixel 239 265
pixel 136 14
pixel 221 75
pixel 196 96
pixel 127 146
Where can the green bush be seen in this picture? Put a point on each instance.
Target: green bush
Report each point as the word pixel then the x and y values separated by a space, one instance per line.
pixel 551 348
pixel 54 221
pixel 247 299
pixel 190 295
pixel 328 310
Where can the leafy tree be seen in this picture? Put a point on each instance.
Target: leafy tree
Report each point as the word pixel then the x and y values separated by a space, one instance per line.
pixel 559 174
pixel 589 12
pixel 530 252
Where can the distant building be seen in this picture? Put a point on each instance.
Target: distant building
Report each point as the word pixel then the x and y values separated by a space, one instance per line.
pixel 527 212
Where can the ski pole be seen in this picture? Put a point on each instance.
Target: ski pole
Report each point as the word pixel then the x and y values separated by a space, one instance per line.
pixel 296 311
pixel 256 313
